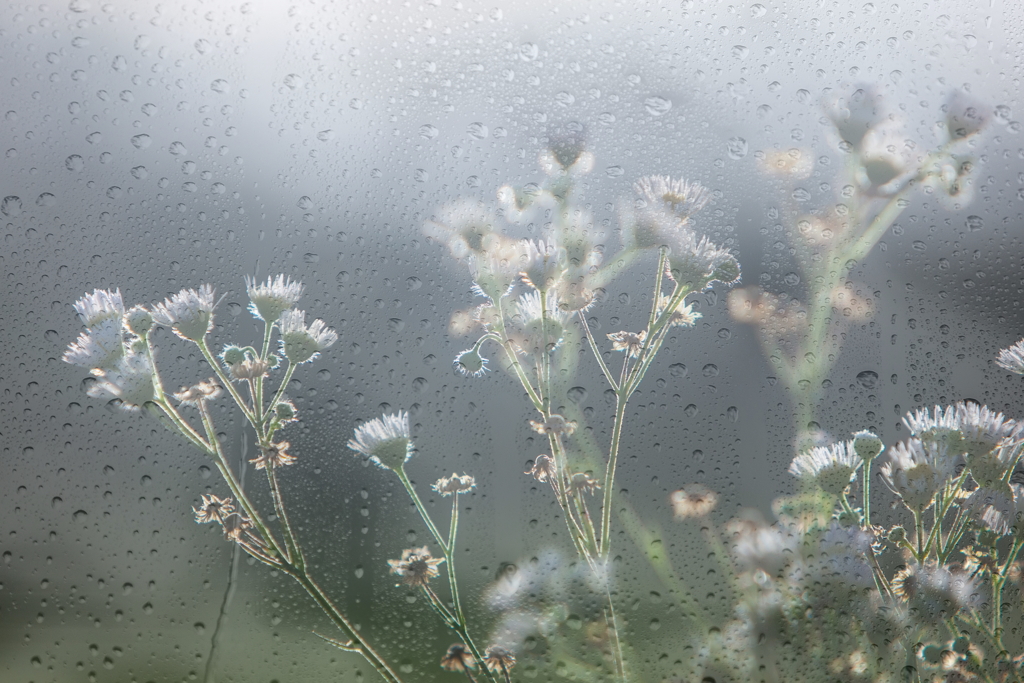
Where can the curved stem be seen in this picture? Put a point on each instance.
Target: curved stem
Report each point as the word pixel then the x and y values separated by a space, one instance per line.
pixel 422 509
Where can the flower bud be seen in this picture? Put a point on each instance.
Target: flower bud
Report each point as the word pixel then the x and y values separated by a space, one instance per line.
pixel 867 445
pixel 138 320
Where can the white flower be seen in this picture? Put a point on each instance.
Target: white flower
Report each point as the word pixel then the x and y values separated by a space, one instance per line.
pixel 699 261
pixel 674 195
pixel 543 263
pixel 528 325
pixel 189 313
pixel 1012 358
pixel 385 440
pixel 101 305
pixel 937 423
pixel 830 467
pixel 982 428
pixel 682 316
pixel 917 470
pixel 130 380
pixel 269 300
pixel 101 346
pixel 301 343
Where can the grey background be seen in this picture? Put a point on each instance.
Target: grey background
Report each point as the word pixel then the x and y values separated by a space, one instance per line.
pixel 314 139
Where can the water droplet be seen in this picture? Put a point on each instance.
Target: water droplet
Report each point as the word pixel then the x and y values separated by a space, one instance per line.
pixel 413 283
pixel 710 370
pixel 657 106
pixel 733 413
pixel 325 135
pixel 801 195
pixel 690 410
pixel 576 394
pixel 94 138
pixel 46 199
pixel 420 175
pixel 758 10
pixel 428 132
pixel 57 502
pixel 614 171
pixel 677 370
pixel 200 627
pixel 293 81
pixel 74 163
pixel 140 173
pixel 528 52
pixel 791 279
pixel 141 141
pixel 11 206
pixel 202 46
pixel 79 6
pixel 477 130
pixel 737 148
pixel 177 149
pixel 220 86
pixel 975 223
pixel 149 109
pixel 359 572
pixel 355 103
pixel 564 98
pixel 80 514
pixel 740 51
pixel 120 64
pixel 867 379
pixel 396 324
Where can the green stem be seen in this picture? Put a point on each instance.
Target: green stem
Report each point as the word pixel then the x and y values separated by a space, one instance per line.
pixel 609 474
pixel 294 554
pixel 280 390
pixel 513 357
pixel 400 471
pixel 597 352
pixel 225 381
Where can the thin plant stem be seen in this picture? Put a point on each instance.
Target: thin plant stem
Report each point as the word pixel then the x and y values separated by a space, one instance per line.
pixel 294 554
pixel 225 381
pixel 609 475
pixel 280 390
pixel 411 490
pixel 597 353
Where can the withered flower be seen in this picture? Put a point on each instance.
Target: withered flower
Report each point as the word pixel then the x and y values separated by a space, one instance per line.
pixel 458 658
pixel 454 484
pixel 582 482
pixel 556 424
pixel 234 524
pixel 194 395
pixel 693 500
pixel 543 468
pixel 499 660
pixel 630 342
pixel 275 454
pixel 213 509
pixel 416 567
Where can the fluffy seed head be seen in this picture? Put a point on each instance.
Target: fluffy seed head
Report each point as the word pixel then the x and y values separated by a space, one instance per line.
pixel 1012 358
pixel 830 467
pixel 301 343
pixel 101 305
pixel 385 440
pixel 189 313
pixel 269 300
pixel 130 380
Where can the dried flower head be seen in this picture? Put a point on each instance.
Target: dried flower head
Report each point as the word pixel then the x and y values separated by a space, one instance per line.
pixel 130 381
pixel 194 395
pixel 234 525
pixel 213 509
pixel 300 343
pixel 250 368
pixel 581 482
pixel 682 315
pixel 189 313
pixel 630 342
pixel 543 469
pixel 269 300
pixel 830 467
pixel 416 567
pixel 1012 358
pixel 454 484
pixel 499 660
pixel 275 455
pixel 693 500
pixel 556 424
pixel 458 658
pixel 101 305
pixel 470 363
pixel 385 440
